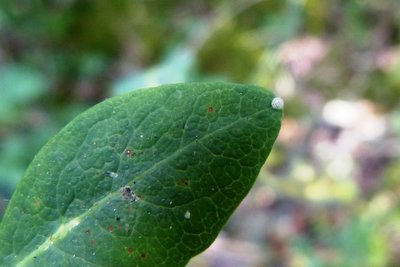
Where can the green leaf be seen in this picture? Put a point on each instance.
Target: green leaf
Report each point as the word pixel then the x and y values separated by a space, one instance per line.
pixel 143 179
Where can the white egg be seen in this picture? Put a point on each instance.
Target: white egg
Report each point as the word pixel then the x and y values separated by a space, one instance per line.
pixel 277 103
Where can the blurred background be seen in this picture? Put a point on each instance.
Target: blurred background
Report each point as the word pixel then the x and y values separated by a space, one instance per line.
pixel 329 194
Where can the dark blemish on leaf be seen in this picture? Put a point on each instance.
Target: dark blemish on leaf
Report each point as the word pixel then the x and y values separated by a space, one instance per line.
pixel 117 219
pixel 130 250
pixel 210 109
pixel 143 255
pixel 128 194
pixel 183 182
pixel 87 231
pixel 129 152
pixel 111 228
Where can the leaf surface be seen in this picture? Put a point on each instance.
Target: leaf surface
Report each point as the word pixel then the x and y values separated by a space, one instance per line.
pixel 143 179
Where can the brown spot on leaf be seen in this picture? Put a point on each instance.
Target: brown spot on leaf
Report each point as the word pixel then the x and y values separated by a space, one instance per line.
pixel 92 242
pixel 210 109
pixel 111 228
pixel 183 182
pixel 130 250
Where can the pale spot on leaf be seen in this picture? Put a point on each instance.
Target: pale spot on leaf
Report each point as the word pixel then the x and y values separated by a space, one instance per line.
pixel 187 215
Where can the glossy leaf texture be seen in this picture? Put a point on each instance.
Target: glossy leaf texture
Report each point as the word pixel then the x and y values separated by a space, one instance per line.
pixel 143 179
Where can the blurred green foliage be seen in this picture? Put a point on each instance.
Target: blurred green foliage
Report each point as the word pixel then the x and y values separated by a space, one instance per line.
pixel 330 194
